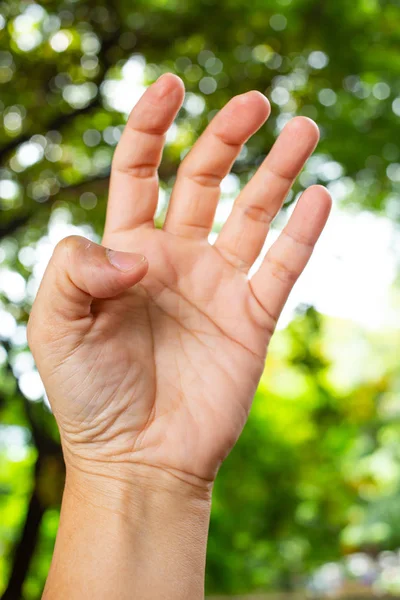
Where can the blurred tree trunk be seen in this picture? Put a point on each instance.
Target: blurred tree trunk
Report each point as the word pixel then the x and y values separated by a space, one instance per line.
pixel 25 548
pixel 47 492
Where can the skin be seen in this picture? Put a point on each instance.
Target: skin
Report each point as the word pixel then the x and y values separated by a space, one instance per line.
pixel 151 358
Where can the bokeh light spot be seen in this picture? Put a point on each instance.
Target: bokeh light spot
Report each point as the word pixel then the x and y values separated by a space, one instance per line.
pixel 318 59
pixel 278 22
pixel 61 40
pixel 31 385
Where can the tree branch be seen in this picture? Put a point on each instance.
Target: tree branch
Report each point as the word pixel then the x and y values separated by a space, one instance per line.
pixel 65 118
pixel 13 225
pixel 21 220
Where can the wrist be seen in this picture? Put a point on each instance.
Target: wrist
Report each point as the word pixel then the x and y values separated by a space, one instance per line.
pixel 136 488
pixel 140 532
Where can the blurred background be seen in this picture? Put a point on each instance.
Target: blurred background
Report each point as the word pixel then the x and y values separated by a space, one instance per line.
pixel 309 500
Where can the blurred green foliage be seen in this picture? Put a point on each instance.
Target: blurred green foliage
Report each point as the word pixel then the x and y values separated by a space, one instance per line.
pixel 316 472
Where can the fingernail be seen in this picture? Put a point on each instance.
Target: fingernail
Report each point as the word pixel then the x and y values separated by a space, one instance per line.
pixel 124 261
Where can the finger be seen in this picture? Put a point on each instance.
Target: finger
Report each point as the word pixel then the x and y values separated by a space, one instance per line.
pixel 242 237
pixel 287 257
pixel 134 179
pixel 78 272
pixel 196 192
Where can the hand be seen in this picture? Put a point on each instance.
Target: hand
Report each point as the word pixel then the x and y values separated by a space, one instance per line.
pixel 153 362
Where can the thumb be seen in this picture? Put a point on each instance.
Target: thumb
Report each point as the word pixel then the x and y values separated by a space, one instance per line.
pixel 80 271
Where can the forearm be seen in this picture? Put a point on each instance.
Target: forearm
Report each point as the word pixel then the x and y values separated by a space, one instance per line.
pixel 140 539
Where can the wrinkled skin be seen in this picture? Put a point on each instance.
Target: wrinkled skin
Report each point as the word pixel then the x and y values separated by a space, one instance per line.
pixel 159 368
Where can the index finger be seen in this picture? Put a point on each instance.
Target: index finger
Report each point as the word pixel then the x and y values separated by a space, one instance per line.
pixel 134 178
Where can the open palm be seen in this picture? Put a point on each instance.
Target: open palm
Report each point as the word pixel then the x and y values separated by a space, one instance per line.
pixel 163 373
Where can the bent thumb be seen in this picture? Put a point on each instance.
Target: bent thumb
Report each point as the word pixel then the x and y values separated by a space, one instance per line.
pixel 80 271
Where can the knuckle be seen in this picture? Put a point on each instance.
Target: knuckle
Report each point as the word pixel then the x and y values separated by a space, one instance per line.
pixel 197 175
pixel 67 247
pixel 282 271
pixel 208 180
pixel 299 240
pixel 138 171
pixel 256 213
